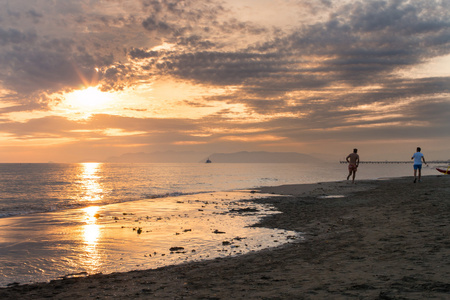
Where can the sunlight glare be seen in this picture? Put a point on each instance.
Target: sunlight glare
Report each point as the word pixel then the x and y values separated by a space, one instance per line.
pixel 91 187
pixel 82 104
pixel 91 212
pixel 89 98
pixel 91 234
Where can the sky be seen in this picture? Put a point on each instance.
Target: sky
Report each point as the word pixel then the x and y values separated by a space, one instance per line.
pixel 89 79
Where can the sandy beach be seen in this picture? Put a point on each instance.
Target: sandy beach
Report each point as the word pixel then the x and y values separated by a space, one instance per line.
pixel 383 239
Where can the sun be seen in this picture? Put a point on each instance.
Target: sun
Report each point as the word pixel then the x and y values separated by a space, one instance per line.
pixel 82 104
pixel 89 98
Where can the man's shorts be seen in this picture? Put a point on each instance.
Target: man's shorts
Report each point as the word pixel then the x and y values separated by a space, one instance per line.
pixel 352 167
pixel 417 167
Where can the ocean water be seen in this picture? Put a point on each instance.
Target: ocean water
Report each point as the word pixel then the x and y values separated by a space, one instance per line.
pixel 32 188
pixel 65 220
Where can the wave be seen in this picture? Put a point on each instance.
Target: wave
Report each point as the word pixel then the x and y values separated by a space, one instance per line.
pixel 172 194
pixel 39 207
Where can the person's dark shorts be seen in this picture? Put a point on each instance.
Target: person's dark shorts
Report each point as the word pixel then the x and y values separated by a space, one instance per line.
pixel 417 167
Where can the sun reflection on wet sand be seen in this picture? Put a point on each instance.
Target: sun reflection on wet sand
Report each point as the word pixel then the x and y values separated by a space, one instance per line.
pixel 91 234
pixel 135 235
pixel 91 229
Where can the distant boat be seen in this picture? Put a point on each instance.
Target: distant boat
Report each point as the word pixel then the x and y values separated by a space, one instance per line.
pixel 208 161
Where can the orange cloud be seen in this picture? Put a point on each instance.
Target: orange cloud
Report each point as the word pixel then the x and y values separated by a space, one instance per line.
pixel 255 138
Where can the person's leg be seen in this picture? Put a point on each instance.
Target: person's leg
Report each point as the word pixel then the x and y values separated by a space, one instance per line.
pixel 349 174
pixel 415 174
pixel 354 174
pixel 420 173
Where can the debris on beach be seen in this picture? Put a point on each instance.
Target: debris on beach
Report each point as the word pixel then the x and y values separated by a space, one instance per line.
pixel 244 210
pixel 218 232
pixel 177 250
pixel 12 284
pixel 75 275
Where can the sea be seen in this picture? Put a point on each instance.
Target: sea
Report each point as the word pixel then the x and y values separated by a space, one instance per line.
pixel 74 220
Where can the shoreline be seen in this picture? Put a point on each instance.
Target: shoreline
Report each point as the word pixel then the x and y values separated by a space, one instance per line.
pixel 135 235
pixel 385 239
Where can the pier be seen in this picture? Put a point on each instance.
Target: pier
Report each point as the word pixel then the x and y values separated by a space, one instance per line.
pixel 398 162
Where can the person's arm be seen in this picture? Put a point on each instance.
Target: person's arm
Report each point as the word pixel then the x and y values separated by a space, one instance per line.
pixel 348 156
pixel 357 161
pixel 423 159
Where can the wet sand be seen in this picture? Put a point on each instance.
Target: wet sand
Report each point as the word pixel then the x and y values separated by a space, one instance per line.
pixel 384 239
pixel 134 235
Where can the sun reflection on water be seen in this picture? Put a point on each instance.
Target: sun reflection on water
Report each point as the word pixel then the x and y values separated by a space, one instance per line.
pixel 91 191
pixel 91 187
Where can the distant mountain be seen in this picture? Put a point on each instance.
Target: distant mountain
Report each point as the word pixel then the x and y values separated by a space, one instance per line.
pixel 260 157
pixel 158 157
pixel 193 157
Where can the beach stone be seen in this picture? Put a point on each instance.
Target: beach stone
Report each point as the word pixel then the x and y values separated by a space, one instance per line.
pixel 174 249
pixel 244 210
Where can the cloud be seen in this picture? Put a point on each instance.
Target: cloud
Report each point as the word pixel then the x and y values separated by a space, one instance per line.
pixel 102 129
pixel 52 48
pixel 334 74
pixel 361 44
pixel 13 36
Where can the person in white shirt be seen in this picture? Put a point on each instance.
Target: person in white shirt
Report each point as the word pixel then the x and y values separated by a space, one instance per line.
pixel 418 158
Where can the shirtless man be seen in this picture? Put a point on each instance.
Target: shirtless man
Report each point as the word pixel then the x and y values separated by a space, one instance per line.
pixel 353 163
